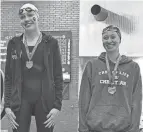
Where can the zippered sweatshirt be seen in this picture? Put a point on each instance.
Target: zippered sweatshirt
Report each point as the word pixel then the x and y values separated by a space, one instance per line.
pixel 103 112
pixel 52 83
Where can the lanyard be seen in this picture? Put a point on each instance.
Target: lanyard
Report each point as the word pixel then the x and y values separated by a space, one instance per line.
pixel 111 76
pixel 30 54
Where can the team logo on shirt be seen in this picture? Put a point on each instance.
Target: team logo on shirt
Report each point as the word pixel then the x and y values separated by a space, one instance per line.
pixel 116 81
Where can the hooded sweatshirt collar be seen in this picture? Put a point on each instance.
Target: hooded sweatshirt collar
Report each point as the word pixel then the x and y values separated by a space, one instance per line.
pixel 124 59
pixel 44 37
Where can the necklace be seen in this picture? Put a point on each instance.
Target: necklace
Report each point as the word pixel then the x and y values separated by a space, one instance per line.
pixel 111 76
pixel 29 63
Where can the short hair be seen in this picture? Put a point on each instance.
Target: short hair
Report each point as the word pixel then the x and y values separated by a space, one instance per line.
pixel 112 28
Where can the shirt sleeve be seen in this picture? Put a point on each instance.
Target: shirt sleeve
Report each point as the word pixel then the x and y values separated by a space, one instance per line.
pixel 137 101
pixel 58 77
pixel 8 76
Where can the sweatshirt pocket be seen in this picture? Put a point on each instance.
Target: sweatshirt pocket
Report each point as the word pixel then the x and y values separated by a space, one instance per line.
pixel 108 117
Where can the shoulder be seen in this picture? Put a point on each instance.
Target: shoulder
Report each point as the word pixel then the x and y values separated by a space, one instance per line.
pixel 51 43
pixel 135 65
pixel 11 43
pixel 50 39
pixel 91 61
pixel 91 64
pixel 15 40
pixel 94 62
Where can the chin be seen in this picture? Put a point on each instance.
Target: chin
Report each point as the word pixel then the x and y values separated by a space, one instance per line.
pixel 111 50
pixel 29 28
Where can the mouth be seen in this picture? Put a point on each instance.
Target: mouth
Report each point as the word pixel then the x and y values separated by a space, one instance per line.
pixel 28 24
pixel 110 46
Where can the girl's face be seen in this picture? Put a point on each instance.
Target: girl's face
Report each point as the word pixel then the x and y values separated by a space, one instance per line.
pixel 29 19
pixel 111 41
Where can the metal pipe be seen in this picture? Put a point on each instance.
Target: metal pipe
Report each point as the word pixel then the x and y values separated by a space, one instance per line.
pixel 125 23
pixel 99 13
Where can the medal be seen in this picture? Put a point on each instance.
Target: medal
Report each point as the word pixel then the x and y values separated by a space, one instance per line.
pixel 29 64
pixel 112 89
pixel 111 76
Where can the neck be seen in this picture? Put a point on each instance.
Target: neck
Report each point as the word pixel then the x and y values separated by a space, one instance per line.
pixel 113 55
pixel 30 35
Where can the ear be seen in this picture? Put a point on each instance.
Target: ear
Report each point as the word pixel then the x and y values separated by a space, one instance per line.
pixel 21 25
pixel 37 16
pixel 120 41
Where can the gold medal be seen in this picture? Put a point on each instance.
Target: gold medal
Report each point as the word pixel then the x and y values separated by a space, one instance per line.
pixel 111 76
pixel 29 64
pixel 112 89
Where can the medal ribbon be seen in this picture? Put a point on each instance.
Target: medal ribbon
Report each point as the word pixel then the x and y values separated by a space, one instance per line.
pixel 30 54
pixel 111 76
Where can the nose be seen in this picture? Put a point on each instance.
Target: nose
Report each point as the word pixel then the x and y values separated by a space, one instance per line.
pixel 26 18
pixel 109 40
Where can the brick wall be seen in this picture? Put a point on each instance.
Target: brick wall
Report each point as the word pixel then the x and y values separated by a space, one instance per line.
pixel 54 16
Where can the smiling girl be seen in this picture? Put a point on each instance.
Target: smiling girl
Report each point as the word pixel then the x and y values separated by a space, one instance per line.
pixel 104 104
pixel 33 76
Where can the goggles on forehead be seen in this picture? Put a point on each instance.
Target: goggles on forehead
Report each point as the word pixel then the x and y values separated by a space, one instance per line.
pixel 28 9
pixel 111 29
